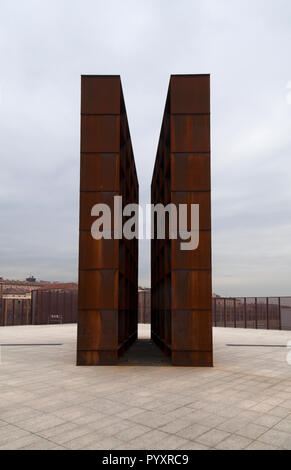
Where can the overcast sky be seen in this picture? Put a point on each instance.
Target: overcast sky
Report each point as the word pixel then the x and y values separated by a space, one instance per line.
pixel 44 48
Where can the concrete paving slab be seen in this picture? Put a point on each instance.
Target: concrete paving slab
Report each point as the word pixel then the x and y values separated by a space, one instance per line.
pixel 144 402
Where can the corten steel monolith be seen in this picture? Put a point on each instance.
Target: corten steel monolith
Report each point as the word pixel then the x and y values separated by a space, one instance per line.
pixel 108 268
pixel 181 280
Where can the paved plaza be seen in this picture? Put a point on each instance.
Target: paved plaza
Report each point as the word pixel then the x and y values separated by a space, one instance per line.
pixel 244 402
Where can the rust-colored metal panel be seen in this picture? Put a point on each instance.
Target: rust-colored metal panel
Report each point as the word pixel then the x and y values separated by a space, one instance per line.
pixel 99 254
pixel 181 280
pixel 192 330
pixel 195 197
pixel 99 172
pixel 191 289
pixel 53 306
pixel 100 95
pixel 100 134
pixel 96 357
pixel 98 330
pixel 15 311
pixel 144 306
pixel 88 199
pixel 101 290
pixel 194 259
pixel 189 99
pixel 190 133
pixel 2 301
pixel 108 269
pixel 192 358
pixel 190 170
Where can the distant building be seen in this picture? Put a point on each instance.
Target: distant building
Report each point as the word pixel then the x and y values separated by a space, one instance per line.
pixel 31 285
pixel 15 293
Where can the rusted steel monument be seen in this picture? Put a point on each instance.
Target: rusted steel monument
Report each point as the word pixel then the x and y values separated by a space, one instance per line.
pixel 108 268
pixel 181 292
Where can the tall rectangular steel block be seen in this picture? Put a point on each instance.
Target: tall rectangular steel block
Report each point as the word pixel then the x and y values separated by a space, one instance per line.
pixel 108 268
pixel 181 306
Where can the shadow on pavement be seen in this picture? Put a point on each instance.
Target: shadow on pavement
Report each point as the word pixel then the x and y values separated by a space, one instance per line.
pixel 144 352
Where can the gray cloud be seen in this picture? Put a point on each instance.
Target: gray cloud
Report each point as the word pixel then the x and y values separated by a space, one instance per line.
pixel 44 48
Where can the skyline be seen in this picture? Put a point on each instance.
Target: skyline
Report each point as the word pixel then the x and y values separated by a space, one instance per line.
pixel 46 47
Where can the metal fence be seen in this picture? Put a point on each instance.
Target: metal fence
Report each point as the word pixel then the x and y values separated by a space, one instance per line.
pixel 60 306
pixel 44 307
pixel 271 313
pixel 144 306
pixel 15 312
pixel 54 306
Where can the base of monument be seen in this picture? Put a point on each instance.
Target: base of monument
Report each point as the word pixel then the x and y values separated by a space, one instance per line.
pixel 97 358
pixel 192 358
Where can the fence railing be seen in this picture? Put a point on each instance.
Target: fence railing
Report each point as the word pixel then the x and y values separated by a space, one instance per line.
pixel 15 312
pixel 271 313
pixel 44 307
pixel 144 306
pixel 54 306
